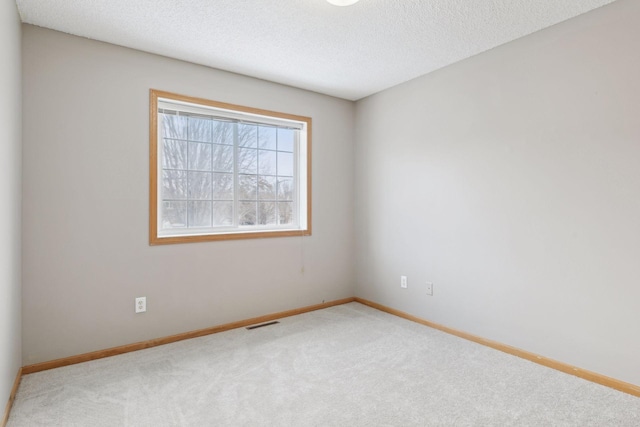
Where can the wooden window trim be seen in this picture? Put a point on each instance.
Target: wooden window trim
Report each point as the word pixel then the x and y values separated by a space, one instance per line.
pixel 154 239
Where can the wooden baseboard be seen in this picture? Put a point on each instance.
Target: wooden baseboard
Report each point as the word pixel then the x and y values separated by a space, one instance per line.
pixel 12 397
pixel 541 360
pixel 550 363
pixel 72 360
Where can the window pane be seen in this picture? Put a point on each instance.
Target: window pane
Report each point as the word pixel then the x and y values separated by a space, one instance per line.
pixel 247 160
pixel 224 172
pixel 267 162
pixel 247 135
pixel 174 126
pixel 222 158
pixel 285 188
pixel 174 154
pixel 285 212
pixel 200 186
pixel 267 137
pixel 223 186
pixel 199 214
pixel 222 132
pixel 267 213
pixel 248 187
pixel 174 185
pixel 200 156
pixel 247 214
pixel 285 164
pixel 174 215
pixel 199 129
pixel 285 139
pixel 267 187
pixel 222 213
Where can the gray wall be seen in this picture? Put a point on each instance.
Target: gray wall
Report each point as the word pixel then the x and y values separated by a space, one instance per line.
pixel 85 234
pixel 512 181
pixel 10 187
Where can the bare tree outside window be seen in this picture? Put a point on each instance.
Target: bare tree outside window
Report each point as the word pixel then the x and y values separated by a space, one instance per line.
pixel 220 173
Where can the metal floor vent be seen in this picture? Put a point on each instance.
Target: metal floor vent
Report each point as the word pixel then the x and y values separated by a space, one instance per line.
pixel 262 325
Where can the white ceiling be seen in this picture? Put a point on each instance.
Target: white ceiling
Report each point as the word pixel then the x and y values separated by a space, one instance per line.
pixel 348 52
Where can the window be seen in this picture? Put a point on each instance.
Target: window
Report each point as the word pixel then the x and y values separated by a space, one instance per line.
pixel 220 171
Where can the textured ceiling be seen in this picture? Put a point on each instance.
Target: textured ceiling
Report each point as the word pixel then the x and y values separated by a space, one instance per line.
pixel 348 52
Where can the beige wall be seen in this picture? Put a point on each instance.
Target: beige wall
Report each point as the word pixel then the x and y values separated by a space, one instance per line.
pixel 86 251
pixel 10 186
pixel 512 181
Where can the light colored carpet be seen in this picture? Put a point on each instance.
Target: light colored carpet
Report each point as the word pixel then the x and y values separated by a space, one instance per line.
pixel 348 365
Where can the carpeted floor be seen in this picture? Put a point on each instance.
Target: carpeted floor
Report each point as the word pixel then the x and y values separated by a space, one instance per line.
pixel 348 365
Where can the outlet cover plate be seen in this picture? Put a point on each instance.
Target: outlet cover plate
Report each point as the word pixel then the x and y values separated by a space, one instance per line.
pixel 141 304
pixel 403 282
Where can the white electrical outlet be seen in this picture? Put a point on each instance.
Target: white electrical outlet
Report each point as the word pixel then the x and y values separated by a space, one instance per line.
pixel 141 304
pixel 429 288
pixel 403 282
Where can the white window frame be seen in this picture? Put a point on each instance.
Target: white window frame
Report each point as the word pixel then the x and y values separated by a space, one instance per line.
pixel 166 101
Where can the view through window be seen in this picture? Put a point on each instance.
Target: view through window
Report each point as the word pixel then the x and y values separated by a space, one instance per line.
pixel 221 171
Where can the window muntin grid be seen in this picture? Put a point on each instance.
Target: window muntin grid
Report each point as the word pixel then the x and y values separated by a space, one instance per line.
pixel 225 172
